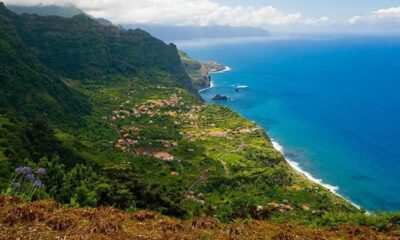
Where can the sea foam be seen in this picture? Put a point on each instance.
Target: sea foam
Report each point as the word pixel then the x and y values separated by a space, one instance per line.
pixel 296 166
pixel 205 89
pixel 226 69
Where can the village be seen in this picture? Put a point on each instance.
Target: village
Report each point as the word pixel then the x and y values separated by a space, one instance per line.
pixel 182 116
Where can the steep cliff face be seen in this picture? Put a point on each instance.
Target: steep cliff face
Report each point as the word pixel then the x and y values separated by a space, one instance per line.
pixel 200 71
pixel 81 48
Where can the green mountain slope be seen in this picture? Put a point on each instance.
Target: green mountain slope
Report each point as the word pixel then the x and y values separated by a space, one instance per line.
pixel 38 58
pixel 38 52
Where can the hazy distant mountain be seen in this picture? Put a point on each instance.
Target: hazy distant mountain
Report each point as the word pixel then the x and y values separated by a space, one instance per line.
pixel 162 32
pixel 54 10
pixel 193 32
pixel 63 11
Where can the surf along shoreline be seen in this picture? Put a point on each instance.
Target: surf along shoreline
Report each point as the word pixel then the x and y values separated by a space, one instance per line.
pixel 293 164
pixel 211 83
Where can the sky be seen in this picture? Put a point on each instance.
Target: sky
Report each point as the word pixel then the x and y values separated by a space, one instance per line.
pixel 331 8
pixel 274 15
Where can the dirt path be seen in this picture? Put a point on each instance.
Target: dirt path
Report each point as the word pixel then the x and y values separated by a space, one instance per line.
pixel 201 179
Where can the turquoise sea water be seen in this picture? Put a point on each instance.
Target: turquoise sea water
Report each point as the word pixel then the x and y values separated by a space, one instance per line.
pixel 332 103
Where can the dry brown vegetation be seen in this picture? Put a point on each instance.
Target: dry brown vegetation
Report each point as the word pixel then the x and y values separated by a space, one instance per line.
pixel 49 220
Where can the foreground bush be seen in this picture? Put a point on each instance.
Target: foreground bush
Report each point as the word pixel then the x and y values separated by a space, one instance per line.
pixel 49 220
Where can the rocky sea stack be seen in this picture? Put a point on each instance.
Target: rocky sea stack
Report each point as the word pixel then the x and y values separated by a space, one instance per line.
pixel 218 97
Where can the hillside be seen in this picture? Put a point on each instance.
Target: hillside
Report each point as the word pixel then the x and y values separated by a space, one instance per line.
pixel 28 87
pixel 48 49
pixel 43 62
pixel 125 128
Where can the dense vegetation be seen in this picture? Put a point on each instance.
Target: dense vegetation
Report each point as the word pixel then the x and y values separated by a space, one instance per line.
pixel 81 48
pixel 29 88
pixel 111 116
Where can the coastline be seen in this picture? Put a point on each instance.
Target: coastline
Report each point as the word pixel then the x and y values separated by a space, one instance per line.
pixel 294 165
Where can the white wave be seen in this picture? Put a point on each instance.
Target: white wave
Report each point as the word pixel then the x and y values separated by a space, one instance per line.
pixel 296 166
pixel 241 86
pixel 226 69
pixel 211 86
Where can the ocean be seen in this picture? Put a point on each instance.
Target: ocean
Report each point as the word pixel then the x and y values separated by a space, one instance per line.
pixel 331 104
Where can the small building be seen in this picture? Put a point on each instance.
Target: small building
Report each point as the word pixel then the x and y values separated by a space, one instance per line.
pixel 306 207
pixel 218 134
pixel 244 131
pixel 134 129
pixel 274 204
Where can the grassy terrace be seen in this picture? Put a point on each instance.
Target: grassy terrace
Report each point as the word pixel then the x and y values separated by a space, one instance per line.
pixel 222 164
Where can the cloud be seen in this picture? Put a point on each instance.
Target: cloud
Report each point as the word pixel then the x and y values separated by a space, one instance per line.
pixel 356 19
pixel 392 13
pixel 184 12
pixel 381 17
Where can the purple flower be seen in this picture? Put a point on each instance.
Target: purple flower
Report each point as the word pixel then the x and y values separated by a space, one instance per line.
pixel 19 170
pixel 37 183
pixel 41 171
pixel 16 185
pixel 30 177
pixel 26 169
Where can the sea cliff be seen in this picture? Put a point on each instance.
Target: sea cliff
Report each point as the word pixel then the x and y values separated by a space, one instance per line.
pixel 200 71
